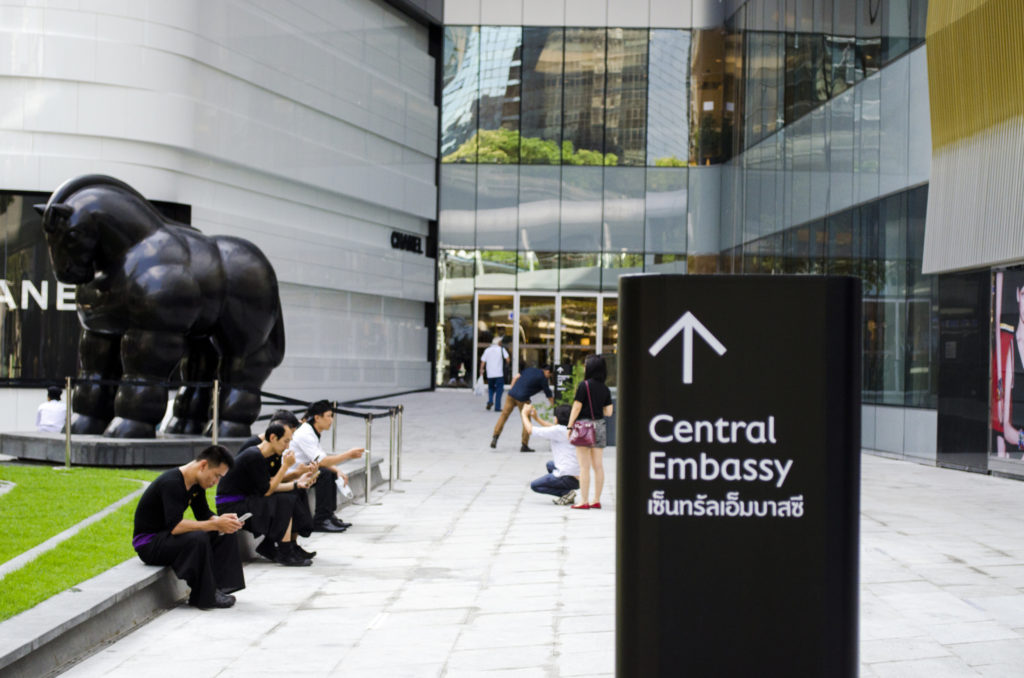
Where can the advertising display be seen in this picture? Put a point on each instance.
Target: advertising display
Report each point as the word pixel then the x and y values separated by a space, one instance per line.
pixel 738 476
pixel 1007 401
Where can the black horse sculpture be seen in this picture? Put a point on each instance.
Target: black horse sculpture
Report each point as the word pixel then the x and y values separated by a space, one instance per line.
pixel 154 294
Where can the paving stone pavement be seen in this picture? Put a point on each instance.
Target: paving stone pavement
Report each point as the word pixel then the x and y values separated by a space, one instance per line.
pixel 469 573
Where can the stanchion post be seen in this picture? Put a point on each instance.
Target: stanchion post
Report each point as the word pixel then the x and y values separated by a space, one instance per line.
pixel 334 429
pixel 216 411
pixel 398 461
pixel 67 422
pixel 366 454
pixel 391 449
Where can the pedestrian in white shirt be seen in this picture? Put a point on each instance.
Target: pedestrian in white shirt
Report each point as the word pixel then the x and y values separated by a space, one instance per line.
pixel 562 479
pixel 492 366
pixel 306 446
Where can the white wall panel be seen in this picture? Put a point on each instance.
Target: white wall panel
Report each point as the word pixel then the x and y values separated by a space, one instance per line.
pixel 629 13
pixel 501 12
pixel 671 13
pixel 586 13
pixel 543 12
pixel 462 12
pixel 307 127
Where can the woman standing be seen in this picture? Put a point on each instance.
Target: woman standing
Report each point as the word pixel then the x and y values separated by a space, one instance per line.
pixel 594 401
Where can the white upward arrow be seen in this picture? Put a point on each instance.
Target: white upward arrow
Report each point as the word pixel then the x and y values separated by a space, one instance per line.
pixel 687 324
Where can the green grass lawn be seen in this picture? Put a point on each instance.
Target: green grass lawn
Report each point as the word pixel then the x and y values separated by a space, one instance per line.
pixel 46 502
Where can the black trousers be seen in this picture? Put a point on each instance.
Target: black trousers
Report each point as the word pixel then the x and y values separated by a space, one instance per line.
pixel 271 514
pixel 207 561
pixel 326 496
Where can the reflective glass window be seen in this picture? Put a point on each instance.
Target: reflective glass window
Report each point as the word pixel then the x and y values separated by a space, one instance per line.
pixel 579 329
pixel 896 29
pixel 922 317
pixel 583 102
pixel 582 203
pixel 496 269
pixel 459 92
pixel 870 18
pixel 457 209
pixel 624 206
pixel 579 271
pixel 796 249
pixel 541 106
pixel 918 21
pixel 537 270
pixel 805 76
pixel 667 110
pixel 867 107
pixel 709 109
pixel 615 264
pixel 536 331
pixel 665 210
pixel 610 339
pixel 500 87
pixel 497 206
pixel 670 263
pixel 841 244
pixel 539 207
pixel 455 338
pixel 625 129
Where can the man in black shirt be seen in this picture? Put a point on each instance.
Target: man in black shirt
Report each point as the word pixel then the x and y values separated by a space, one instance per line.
pixel 203 551
pixel 527 384
pixel 250 488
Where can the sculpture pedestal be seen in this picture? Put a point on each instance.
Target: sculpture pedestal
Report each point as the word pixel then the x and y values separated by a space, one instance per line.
pixel 95 450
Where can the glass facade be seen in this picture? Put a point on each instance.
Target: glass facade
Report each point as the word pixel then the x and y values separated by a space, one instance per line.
pixel 774 144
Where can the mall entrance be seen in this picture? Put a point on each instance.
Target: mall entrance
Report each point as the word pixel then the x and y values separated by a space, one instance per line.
pixel 539 329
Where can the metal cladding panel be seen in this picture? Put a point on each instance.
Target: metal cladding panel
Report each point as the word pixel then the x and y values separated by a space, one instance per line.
pixel 738 476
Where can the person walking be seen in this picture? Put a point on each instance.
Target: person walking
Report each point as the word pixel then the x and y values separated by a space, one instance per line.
pixel 492 366
pixel 527 384
pixel 594 401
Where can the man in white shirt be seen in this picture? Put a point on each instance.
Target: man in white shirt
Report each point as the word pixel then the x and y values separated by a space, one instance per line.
pixel 562 479
pixel 51 415
pixel 492 366
pixel 306 446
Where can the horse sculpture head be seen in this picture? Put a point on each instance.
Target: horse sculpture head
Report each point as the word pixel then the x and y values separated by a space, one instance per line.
pixel 70 225
pixel 72 241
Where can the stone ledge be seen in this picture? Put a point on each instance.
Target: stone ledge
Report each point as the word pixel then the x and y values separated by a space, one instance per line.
pixel 61 630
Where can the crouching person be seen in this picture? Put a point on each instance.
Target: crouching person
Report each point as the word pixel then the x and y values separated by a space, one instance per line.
pixel 276 511
pixel 204 551
pixel 562 479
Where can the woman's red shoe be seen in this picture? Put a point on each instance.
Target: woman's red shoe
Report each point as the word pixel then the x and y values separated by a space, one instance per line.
pixel 580 506
pixel 596 505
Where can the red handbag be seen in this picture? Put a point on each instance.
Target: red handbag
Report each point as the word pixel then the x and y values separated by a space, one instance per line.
pixel 583 432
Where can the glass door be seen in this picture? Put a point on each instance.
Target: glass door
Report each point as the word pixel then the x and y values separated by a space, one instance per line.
pixel 578 329
pixel 610 338
pixel 495 315
pixel 536 331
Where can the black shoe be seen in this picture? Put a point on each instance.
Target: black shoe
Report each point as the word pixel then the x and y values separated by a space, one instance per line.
pixel 326 525
pixel 303 552
pixel 525 448
pixel 488 406
pixel 287 556
pixel 494 442
pixel 339 522
pixel 220 600
pixel 267 549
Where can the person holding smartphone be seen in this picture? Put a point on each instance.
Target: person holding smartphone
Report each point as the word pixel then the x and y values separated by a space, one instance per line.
pixel 250 488
pixel 203 551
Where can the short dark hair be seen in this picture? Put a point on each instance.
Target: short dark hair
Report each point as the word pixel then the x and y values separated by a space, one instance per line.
pixel 317 408
pixel 53 392
pixel 546 367
pixel 595 368
pixel 562 413
pixel 216 455
pixel 275 429
pixel 285 418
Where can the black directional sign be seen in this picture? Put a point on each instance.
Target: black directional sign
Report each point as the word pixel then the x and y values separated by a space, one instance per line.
pixel 738 476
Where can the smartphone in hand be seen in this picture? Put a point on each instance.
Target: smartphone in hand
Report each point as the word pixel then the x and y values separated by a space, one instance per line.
pixel 245 517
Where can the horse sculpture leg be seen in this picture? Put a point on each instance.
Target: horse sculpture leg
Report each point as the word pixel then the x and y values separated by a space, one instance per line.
pixel 148 358
pixel 93 402
pixel 192 404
